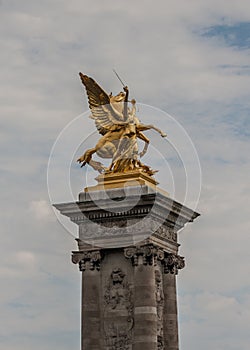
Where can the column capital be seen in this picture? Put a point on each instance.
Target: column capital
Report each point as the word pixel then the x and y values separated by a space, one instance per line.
pixel 147 254
pixel 87 260
pixel 172 263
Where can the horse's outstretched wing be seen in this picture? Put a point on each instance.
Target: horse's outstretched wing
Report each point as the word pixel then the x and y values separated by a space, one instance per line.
pixel 99 103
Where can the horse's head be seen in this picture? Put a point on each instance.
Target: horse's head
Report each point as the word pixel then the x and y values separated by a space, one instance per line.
pixel 118 98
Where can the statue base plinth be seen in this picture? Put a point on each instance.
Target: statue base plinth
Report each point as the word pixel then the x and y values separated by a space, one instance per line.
pixel 121 180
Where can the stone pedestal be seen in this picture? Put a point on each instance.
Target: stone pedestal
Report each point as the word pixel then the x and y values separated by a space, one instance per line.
pixel 128 256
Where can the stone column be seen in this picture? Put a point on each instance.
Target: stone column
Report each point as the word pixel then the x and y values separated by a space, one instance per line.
pixel 91 334
pixel 89 265
pixel 145 311
pixel 170 330
pixel 170 315
pixel 145 328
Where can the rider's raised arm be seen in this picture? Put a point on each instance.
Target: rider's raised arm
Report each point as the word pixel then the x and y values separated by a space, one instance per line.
pixel 125 109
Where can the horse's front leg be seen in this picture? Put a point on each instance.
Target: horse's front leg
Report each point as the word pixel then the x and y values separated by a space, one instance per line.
pixel 86 157
pixel 143 127
pixel 163 134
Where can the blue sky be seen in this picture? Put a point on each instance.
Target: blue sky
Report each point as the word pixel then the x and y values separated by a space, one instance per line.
pixel 187 58
pixel 236 34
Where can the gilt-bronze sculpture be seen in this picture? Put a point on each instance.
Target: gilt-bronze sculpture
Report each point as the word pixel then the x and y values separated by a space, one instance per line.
pixel 116 121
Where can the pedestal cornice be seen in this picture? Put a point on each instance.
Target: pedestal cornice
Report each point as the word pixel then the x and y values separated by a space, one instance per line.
pixel 131 203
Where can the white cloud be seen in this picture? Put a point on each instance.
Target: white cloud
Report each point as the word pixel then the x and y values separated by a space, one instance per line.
pixel 41 209
pixel 25 258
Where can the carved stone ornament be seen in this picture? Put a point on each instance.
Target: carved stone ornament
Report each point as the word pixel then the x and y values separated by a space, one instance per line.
pixel 149 254
pixel 172 263
pixel 118 312
pixel 166 233
pixel 90 231
pixel 87 260
pixel 159 295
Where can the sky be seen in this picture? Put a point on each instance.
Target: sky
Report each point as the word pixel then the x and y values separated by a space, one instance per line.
pixel 189 59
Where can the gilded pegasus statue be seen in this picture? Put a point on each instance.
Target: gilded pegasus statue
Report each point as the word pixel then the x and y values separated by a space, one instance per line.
pixel 116 121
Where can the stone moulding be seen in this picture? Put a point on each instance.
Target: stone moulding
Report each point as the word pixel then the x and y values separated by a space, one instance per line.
pixel 116 204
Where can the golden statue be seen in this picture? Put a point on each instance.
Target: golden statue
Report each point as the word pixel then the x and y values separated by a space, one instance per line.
pixel 119 127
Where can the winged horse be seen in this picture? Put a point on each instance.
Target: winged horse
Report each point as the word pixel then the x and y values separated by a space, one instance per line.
pixel 119 127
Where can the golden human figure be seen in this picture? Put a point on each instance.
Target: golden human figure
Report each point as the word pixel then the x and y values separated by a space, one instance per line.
pixel 119 127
